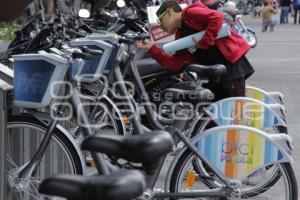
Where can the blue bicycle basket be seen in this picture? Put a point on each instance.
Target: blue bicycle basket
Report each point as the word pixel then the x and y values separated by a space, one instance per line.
pixel 33 75
pixel 94 67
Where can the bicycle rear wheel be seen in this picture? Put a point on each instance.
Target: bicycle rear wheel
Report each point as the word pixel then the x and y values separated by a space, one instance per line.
pixel 24 135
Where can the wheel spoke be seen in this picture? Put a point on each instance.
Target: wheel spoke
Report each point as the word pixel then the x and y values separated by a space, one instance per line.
pixel 34 188
pixel 58 158
pixel 10 160
pixel 35 180
pixel 29 194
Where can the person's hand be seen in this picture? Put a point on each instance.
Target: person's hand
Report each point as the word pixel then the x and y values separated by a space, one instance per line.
pixel 143 44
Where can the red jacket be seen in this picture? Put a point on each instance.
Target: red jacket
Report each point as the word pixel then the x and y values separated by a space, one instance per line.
pixel 199 17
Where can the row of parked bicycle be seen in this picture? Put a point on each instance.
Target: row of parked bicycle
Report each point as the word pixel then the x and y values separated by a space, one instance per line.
pixel 112 121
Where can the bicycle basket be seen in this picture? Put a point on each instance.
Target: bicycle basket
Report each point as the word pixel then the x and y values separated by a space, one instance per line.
pixel 34 74
pixel 112 39
pixel 95 67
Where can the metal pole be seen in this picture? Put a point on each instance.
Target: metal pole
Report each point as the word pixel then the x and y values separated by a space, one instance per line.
pixel 6 74
pixel 5 88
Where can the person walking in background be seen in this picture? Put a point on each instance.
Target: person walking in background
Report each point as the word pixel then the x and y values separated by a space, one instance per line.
pixel 267 17
pixel 296 5
pixel 285 6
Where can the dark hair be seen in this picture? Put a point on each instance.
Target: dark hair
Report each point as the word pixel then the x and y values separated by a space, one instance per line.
pixel 168 4
pixel 266 3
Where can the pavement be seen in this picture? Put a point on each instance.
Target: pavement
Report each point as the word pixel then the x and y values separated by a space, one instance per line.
pixel 276 60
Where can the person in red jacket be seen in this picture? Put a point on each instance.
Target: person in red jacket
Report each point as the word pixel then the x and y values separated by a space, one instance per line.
pixel 229 51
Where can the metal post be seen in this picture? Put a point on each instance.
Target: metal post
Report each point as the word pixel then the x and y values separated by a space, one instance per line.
pixel 6 74
pixel 5 89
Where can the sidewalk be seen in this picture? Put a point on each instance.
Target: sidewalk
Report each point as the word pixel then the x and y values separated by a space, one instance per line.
pixel 276 61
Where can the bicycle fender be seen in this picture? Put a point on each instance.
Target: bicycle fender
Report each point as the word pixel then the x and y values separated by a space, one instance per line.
pixel 264 96
pixel 235 152
pixel 246 111
pixel 75 145
pixel 171 168
pixel 116 109
pixel 238 151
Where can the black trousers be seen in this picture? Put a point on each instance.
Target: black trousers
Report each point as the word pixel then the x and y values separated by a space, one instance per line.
pixel 297 10
pixel 230 88
pixel 232 83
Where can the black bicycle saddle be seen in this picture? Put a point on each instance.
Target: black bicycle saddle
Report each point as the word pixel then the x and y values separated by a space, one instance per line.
pixel 125 185
pixel 146 148
pixel 148 66
pixel 208 71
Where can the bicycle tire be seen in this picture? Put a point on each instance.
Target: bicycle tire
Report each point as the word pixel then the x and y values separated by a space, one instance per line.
pixel 58 138
pixel 120 127
pixel 285 168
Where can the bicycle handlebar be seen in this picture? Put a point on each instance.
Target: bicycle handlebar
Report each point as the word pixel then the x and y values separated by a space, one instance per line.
pixel 85 49
pixel 82 55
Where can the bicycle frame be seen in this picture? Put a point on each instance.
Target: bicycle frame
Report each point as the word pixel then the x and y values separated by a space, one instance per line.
pixel 103 167
pixel 151 179
pixel 101 164
pixel 247 111
pixel 190 144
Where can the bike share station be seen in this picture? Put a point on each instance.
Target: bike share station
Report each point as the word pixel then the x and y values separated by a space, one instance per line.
pixel 6 88
pixel 265 110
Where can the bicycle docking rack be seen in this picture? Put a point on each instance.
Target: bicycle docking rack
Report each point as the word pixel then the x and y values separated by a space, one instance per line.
pixel 6 88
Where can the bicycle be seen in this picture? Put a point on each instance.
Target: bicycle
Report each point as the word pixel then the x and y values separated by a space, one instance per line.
pixel 45 147
pixel 124 91
pixel 191 150
pixel 123 184
pixel 136 127
pixel 152 121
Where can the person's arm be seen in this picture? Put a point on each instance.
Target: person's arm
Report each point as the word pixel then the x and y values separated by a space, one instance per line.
pixel 274 10
pixel 172 62
pixel 214 20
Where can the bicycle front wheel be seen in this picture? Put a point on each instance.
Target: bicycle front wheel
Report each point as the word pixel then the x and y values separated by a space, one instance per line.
pixel 185 179
pixel 24 136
